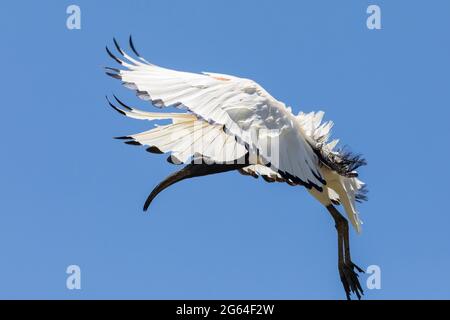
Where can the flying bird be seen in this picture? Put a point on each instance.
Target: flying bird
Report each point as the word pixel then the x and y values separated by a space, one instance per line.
pixel 226 123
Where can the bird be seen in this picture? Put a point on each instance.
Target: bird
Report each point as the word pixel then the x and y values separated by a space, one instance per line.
pixel 222 123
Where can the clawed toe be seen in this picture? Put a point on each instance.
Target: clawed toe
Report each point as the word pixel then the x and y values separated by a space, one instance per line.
pixel 350 279
pixel 356 267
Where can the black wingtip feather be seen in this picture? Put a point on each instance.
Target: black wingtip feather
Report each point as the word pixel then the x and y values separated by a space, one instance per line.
pixel 170 160
pixel 115 108
pixel 114 75
pixel 318 177
pixel 122 103
pixel 123 138
pixel 133 48
pixel 117 46
pixel 113 56
pixel 113 69
pixel 133 143
pixel 154 149
pixel 268 179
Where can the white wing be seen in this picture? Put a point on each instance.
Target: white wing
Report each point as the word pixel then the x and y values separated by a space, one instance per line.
pixel 186 137
pixel 242 107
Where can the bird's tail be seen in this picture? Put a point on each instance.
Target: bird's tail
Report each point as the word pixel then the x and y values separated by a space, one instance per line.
pixel 349 191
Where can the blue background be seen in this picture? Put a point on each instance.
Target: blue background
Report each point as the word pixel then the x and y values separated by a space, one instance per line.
pixel 72 195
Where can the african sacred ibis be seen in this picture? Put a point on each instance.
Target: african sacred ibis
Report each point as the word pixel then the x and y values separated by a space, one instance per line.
pixel 230 123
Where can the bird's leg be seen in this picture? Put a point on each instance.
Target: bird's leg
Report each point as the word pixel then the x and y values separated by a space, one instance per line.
pixel 190 171
pixel 349 277
pixel 347 247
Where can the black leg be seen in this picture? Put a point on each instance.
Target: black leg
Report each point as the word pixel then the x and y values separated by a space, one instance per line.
pixel 349 277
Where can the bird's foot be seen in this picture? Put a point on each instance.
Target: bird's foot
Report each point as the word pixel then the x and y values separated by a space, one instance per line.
pixel 350 279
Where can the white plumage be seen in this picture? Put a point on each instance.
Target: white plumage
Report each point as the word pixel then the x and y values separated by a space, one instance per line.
pixel 226 118
pixel 239 106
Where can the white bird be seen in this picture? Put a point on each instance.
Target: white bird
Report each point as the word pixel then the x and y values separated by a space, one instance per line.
pixel 230 123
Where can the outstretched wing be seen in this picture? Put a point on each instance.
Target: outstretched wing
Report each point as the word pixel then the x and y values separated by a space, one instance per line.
pixel 241 106
pixel 186 137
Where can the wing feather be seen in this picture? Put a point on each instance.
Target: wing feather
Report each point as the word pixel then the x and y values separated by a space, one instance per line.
pixel 240 105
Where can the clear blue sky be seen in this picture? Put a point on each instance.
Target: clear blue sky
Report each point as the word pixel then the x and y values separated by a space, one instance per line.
pixel 70 194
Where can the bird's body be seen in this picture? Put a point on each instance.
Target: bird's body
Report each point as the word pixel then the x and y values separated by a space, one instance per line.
pixel 230 123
